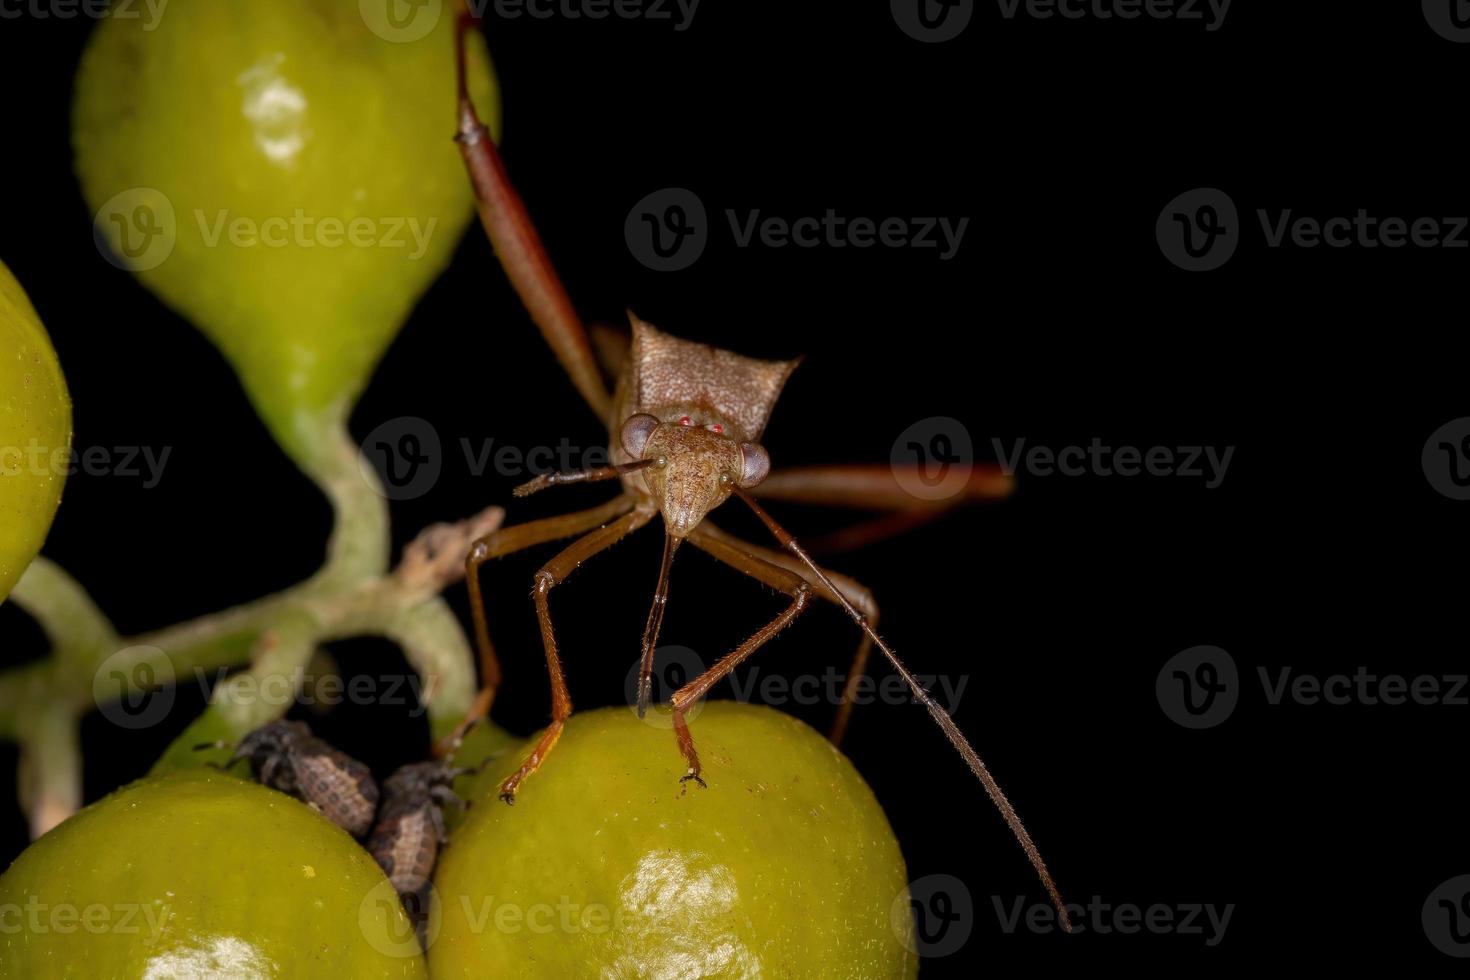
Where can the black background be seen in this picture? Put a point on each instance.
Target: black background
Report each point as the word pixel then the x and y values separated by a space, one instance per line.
pixel 1324 549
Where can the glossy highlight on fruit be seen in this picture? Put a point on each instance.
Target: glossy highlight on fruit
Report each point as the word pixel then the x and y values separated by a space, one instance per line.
pixel 201 874
pixel 35 432
pixel 605 866
pixel 282 173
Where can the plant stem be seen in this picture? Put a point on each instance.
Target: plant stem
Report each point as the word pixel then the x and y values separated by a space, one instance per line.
pixel 352 595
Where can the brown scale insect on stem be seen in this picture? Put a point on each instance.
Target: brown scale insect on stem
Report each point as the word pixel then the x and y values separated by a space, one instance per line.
pixel 684 425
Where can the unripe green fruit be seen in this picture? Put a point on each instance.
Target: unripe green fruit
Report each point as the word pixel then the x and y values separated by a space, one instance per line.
pixel 201 874
pixel 285 177
pixel 35 432
pixel 784 866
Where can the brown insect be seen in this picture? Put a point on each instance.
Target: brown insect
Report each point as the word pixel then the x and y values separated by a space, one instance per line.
pixel 684 423
pixel 410 828
pixel 286 756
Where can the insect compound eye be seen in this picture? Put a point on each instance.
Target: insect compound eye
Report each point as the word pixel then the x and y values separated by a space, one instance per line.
pixel 716 428
pixel 636 432
pixel 685 420
pixel 755 464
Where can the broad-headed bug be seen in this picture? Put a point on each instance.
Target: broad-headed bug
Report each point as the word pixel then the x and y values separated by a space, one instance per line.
pixel 684 426
pixel 285 755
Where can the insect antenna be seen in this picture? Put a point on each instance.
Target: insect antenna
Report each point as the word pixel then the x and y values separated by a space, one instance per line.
pixel 655 622
pixel 941 718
